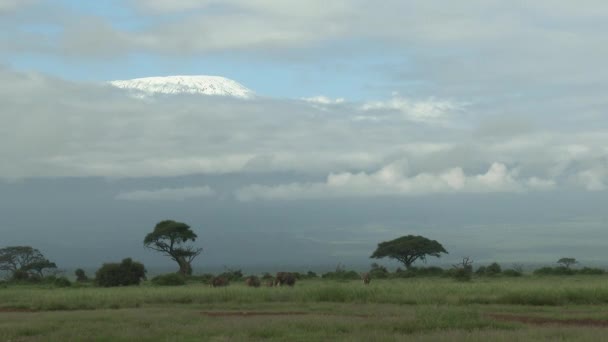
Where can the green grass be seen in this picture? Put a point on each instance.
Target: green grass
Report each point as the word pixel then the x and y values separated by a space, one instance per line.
pixel 424 291
pixel 432 309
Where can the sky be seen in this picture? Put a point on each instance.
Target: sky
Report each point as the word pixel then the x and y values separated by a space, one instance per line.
pixel 479 124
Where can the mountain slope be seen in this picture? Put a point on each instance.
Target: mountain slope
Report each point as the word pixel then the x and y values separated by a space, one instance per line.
pixel 204 85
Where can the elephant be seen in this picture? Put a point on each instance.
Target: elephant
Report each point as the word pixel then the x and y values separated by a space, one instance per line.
pixel 219 281
pixel 252 281
pixel 366 278
pixel 284 278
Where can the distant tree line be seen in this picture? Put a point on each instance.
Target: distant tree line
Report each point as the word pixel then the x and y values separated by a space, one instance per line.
pixel 25 264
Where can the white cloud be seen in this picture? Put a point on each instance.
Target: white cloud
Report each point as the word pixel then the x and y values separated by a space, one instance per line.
pixel 430 110
pixel 167 194
pixel 593 179
pixel 11 5
pixel 324 100
pixel 395 179
pixel 540 184
pixel 56 128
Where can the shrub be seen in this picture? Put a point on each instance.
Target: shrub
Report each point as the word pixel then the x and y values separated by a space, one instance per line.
pixel 399 273
pixel 493 269
pixel 591 271
pixel 204 278
pixel 62 282
pixel 80 275
pixel 232 275
pixel 511 273
pixel 554 271
pixel 429 271
pixel 461 273
pixel 170 279
pixel 128 272
pixel 342 275
pixel 378 272
pixel 432 271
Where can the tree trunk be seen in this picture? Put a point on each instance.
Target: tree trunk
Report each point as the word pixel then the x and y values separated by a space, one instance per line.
pixel 184 267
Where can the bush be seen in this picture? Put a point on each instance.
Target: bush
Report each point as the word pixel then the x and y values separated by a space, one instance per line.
pixel 461 273
pixel 171 279
pixel 20 276
pixel 378 272
pixel 590 271
pixel 203 278
pixel 80 275
pixel 399 273
pixel 432 271
pixel 128 272
pixel 554 271
pixel 493 269
pixel 511 273
pixel 232 275
pixel 62 282
pixel 342 275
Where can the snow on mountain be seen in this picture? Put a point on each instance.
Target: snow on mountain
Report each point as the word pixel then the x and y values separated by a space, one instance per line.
pixel 204 85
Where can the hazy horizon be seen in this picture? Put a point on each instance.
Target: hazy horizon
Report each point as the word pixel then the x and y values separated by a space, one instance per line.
pixel 336 126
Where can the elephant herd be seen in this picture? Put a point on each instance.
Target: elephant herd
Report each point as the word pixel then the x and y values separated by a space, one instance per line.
pixel 281 278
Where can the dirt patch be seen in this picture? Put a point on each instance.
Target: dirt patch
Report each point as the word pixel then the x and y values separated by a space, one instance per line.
pixel 16 310
pixel 583 322
pixel 251 313
pixel 270 313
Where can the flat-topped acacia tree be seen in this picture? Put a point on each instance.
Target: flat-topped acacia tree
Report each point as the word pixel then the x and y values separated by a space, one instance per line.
pixel 408 249
pixel 171 238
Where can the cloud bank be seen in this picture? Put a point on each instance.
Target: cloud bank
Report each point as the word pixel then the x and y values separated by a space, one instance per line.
pixel 167 194
pixel 58 128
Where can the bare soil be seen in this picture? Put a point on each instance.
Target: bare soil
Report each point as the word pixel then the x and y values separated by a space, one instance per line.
pixel 251 313
pixel 270 313
pixel 582 322
pixel 16 310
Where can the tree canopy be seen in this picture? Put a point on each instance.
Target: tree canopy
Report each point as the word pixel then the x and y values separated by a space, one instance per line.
pixel 22 259
pixel 171 238
pixel 567 262
pixel 128 272
pixel 408 249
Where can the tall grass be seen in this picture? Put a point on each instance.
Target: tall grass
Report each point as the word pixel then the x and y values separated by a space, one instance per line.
pixel 439 291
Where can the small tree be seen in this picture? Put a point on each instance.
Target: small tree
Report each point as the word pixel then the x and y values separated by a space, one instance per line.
pixel 81 276
pixel 567 262
pixel 378 271
pixel 493 269
pixel 463 271
pixel 408 249
pixel 24 259
pixel 128 272
pixel 170 237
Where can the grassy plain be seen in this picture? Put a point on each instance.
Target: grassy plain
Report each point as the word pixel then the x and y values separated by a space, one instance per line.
pixel 433 309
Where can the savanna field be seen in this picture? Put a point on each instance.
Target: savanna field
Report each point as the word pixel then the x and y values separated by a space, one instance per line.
pixel 423 308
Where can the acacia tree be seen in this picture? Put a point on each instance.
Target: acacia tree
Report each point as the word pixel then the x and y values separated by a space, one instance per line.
pixel 26 259
pixel 408 249
pixel 567 262
pixel 170 238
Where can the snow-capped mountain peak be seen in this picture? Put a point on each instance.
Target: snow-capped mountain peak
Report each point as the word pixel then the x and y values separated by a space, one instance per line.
pixel 204 85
